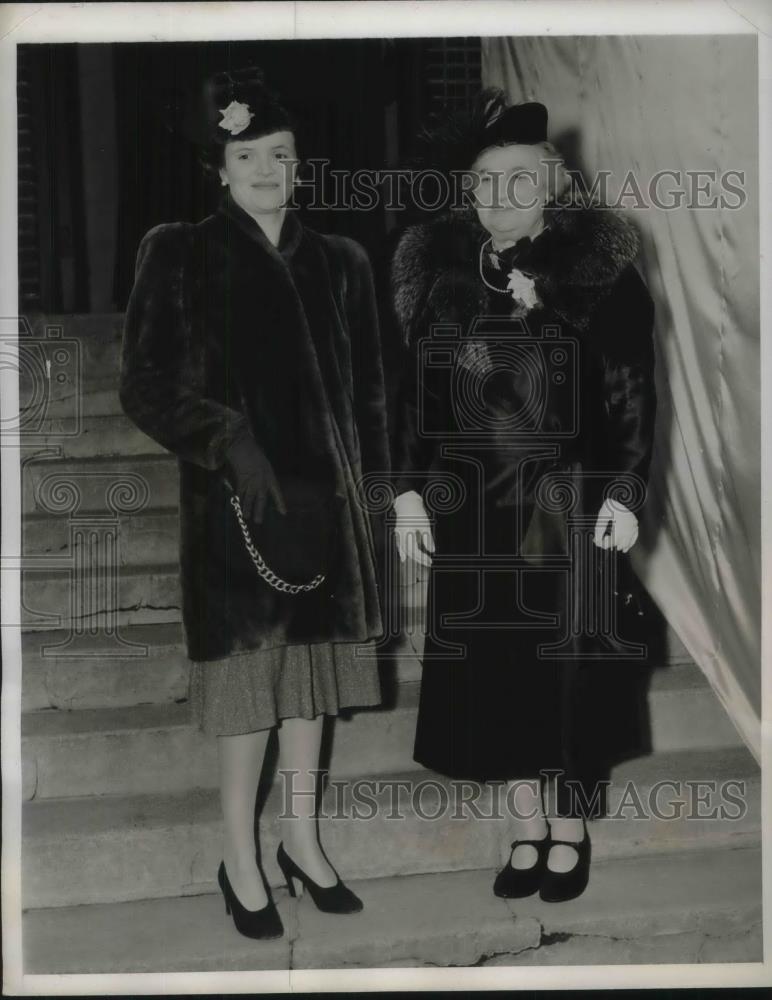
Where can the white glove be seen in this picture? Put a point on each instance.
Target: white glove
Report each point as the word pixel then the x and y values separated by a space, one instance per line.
pixel 413 530
pixel 624 527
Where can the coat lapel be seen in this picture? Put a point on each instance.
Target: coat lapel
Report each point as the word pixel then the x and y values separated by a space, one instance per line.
pixel 285 317
pixel 238 219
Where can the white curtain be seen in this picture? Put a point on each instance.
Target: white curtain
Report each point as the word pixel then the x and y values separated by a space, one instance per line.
pixel 645 104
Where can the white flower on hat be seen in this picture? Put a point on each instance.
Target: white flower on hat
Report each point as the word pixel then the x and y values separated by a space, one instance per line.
pixel 523 289
pixel 236 117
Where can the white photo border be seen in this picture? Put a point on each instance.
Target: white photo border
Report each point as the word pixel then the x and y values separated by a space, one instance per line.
pixel 167 22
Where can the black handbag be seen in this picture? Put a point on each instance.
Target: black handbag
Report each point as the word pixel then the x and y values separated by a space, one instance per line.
pixel 294 552
pixel 621 608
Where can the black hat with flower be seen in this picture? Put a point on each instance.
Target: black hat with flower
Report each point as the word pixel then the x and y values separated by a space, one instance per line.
pixel 235 104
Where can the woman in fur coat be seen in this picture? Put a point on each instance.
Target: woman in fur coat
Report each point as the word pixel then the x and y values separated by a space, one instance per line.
pixel 251 351
pixel 527 412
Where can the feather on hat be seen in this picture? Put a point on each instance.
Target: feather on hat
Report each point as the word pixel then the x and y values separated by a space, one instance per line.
pixel 453 141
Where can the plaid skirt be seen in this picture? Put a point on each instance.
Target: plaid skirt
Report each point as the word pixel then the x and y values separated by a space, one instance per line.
pixel 251 691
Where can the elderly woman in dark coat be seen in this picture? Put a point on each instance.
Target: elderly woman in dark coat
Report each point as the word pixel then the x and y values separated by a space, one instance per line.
pixel 251 351
pixel 529 382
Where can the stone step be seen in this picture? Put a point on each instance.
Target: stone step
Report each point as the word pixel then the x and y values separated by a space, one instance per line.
pixel 135 595
pixel 139 593
pixel 145 539
pixel 85 366
pixel 145 664
pixel 99 849
pixel 675 908
pixel 156 748
pixel 145 594
pixel 152 479
pixel 684 710
pixel 91 401
pixel 89 437
pixel 148 537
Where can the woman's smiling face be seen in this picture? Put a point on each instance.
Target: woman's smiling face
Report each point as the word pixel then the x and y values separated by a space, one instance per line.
pixel 510 191
pixel 260 172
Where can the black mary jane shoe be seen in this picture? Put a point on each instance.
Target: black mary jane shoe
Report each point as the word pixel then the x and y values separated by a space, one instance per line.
pixel 263 923
pixel 556 887
pixel 514 883
pixel 336 898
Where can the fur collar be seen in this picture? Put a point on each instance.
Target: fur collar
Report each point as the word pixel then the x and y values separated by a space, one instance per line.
pixel 575 262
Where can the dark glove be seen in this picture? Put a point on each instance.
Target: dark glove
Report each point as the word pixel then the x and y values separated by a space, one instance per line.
pixel 252 477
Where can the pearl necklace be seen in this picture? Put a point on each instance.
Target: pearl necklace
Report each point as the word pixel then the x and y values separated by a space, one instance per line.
pixel 495 288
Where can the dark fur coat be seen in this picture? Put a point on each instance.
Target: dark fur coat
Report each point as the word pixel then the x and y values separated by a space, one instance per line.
pixel 224 333
pixel 491 706
pixel 588 288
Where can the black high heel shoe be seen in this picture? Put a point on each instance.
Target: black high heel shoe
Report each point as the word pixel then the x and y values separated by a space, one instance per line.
pixel 514 883
pixel 335 899
pixel 264 923
pixel 556 887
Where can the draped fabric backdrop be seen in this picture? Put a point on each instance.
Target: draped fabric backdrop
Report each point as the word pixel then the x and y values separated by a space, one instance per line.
pixel 646 104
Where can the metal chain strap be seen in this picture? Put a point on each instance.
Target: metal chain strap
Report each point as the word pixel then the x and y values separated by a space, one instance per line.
pixel 271 578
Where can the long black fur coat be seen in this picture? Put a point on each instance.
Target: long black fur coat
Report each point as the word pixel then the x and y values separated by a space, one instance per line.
pixel 223 333
pixel 491 707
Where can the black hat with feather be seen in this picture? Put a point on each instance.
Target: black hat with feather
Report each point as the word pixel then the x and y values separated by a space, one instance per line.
pixel 452 142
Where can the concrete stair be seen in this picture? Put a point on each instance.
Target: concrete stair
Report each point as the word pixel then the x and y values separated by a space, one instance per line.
pixel 156 747
pixel 121 821
pixel 139 665
pixel 151 533
pixel 111 434
pixel 92 475
pixel 147 593
pixel 143 595
pixel 97 337
pixel 677 908
pixel 143 665
pixel 123 847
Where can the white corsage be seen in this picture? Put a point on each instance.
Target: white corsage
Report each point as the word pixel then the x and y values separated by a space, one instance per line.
pixel 523 289
pixel 236 117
